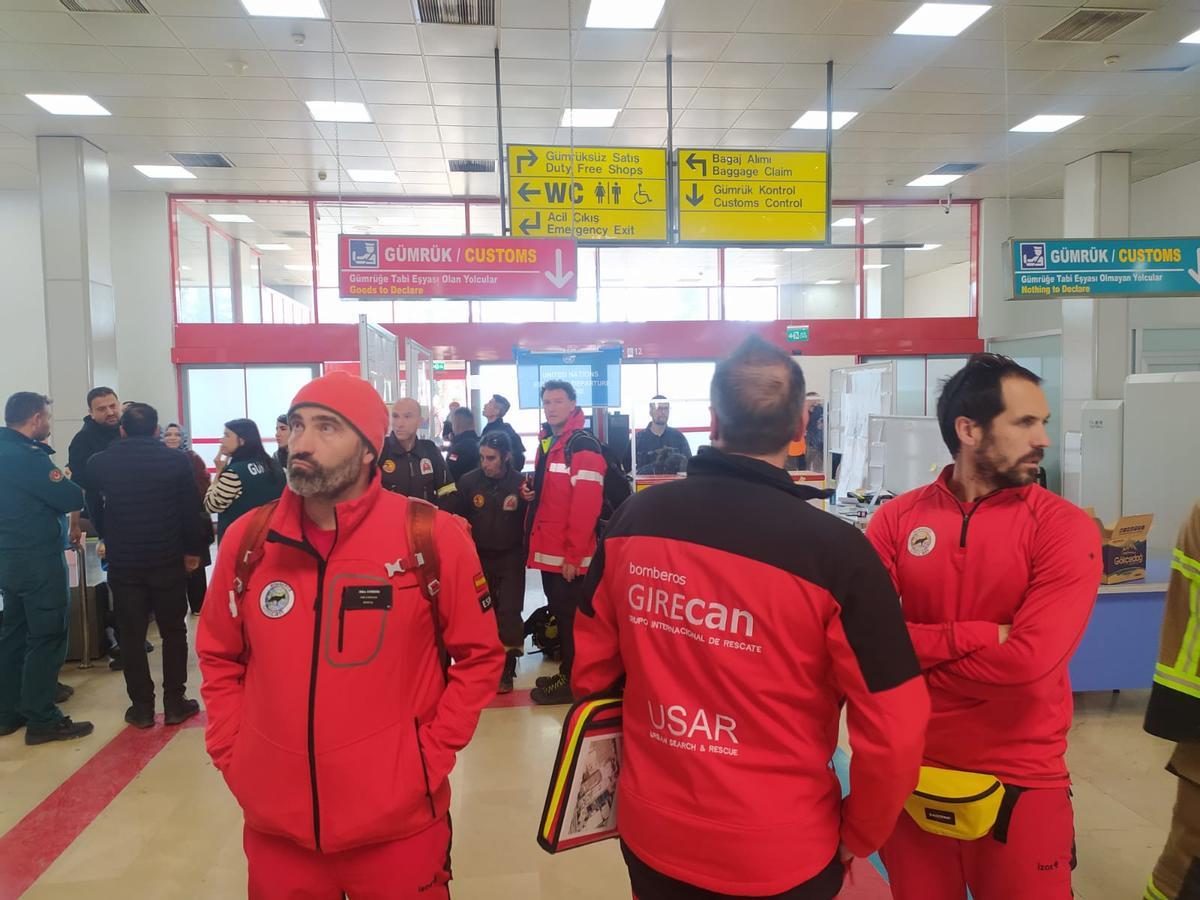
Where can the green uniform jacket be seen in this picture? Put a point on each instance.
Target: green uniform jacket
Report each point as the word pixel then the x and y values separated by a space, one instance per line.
pixel 35 496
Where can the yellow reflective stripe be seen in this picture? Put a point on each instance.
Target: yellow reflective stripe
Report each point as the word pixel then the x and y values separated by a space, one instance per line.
pixel 1185 661
pixel 1152 891
pixel 1177 681
pixel 447 489
pixel 1185 569
pixel 1182 557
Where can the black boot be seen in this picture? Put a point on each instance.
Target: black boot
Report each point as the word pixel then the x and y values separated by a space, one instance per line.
pixel 509 673
pixel 63 693
pixel 62 730
pixel 140 716
pixel 175 712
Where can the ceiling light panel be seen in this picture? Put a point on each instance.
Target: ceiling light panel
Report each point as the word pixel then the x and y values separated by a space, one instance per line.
pixel 374 176
pixel 826 281
pixel 815 119
pixel 1193 38
pixel 942 19
pixel 338 111
pixel 624 13
pixel 1046 124
pixel 848 222
pixel 164 171
pixel 933 180
pixel 272 246
pixel 290 9
pixel 69 104
pixel 588 118
pixel 230 217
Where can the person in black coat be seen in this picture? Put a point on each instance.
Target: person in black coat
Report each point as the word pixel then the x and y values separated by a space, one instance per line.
pixel 147 508
pixel 494 411
pixel 464 449
pixel 659 434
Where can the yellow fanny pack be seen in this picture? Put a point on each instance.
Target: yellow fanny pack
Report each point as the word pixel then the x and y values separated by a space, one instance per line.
pixel 962 805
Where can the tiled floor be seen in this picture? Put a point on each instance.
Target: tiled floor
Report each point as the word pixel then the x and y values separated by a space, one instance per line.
pixel 175 832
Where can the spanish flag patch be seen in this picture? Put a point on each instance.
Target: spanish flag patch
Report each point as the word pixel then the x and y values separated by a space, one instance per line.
pixel 480 582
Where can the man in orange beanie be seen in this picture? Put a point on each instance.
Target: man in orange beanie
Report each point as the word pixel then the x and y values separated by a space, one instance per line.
pixel 338 732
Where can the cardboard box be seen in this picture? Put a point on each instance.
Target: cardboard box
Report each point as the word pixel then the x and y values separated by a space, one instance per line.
pixel 1124 547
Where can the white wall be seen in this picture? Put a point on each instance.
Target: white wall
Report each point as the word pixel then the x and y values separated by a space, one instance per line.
pixel 1000 220
pixel 1166 205
pixel 945 292
pixel 816 371
pixel 819 301
pixel 23 322
pixel 142 285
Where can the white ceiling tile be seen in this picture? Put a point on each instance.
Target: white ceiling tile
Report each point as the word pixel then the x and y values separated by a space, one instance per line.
pixel 639 137
pixel 403 92
pixel 604 43
pixel 394 136
pixel 307 89
pixel 698 137
pixel 468 69
pixel 702 15
pixel 584 137
pixel 740 137
pixel 703 46
pixel 529 135
pixel 530 117
pixel 656 98
pixel 870 77
pixel 606 74
pixel 786 16
pixel 533 43
pixel 387 67
pixel 465 134
pixel 645 118
pixel 217 34
pixel 227 128
pixel 200 108
pixel 467 115
pixel 747 75
pixel 767 118
pixel 373 11
pixel 594 97
pixel 455 40
pixel 257 160
pixel 256 88
pixel 44 27
pixel 533 96
pixel 128 30
pixel 423 178
pixel 708 118
pixel 361 37
pixel 534 71
pixel 469 151
pixel 312 159
pixel 533 13
pixel 223 63
pixel 309 35
pixel 59 58
pixel 277 128
pixel 970 55
pixel 806 76
pixel 762 48
pixel 299 146
pixel 413 164
pixel 114 85
pixel 683 74
pixel 300 64
pixel 723 98
pixel 348 131
pixel 853 17
pixel 793 139
pixel 411 133
pixel 38 82
pixel 204 143
pixel 158 60
pixel 389 114
pixel 274 110
pixel 463 94
pixel 1018 23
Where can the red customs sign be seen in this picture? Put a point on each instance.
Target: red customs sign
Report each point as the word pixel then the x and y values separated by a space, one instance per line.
pixel 411 267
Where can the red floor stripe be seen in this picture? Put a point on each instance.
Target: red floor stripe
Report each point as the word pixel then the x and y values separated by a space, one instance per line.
pixel 514 700
pixel 35 842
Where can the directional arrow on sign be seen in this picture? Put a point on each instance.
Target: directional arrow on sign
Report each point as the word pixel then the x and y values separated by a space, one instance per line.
pixel 694 197
pixel 529 157
pixel 692 161
pixel 525 191
pixel 558 277
pixel 527 225
pixel 1195 273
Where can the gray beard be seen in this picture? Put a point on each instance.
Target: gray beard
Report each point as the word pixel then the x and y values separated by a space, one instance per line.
pixel 324 482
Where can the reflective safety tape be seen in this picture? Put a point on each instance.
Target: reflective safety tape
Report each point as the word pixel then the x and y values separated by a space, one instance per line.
pixel 1185 565
pixel 1152 891
pixel 1175 680
pixel 559 469
pixel 447 489
pixel 550 560
pixel 587 475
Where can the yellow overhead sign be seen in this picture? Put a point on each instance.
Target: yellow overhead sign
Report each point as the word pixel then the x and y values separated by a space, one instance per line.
pixel 753 195
pixel 589 193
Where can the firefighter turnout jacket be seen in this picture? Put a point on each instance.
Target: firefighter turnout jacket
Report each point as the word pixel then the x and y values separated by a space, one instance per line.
pixel 742 617
pixel 338 729
pixel 1020 556
pixel 420 472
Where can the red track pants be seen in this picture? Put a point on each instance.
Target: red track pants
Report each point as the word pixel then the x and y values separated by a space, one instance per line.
pixel 1036 861
pixel 416 868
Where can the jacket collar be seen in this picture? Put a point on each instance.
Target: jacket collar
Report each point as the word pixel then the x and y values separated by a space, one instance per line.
pixel 106 430
pixel 15 437
pixel 574 423
pixel 288 519
pixel 942 486
pixel 711 462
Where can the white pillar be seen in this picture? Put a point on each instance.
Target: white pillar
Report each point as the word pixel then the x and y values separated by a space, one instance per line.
pixel 81 334
pixel 1096 353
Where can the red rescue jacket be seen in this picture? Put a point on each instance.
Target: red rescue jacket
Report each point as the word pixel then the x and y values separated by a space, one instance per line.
pixel 328 713
pixel 1019 556
pixel 562 520
pixel 743 619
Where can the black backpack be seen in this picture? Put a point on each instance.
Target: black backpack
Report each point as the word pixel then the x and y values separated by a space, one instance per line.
pixel 543 628
pixel 617 488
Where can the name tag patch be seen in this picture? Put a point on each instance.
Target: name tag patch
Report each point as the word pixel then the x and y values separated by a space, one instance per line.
pixel 374 596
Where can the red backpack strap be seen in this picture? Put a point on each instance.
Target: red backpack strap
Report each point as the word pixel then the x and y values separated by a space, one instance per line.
pixel 421 519
pixel 250 552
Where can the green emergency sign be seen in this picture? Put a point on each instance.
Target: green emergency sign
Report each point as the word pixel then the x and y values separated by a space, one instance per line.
pixel 797 334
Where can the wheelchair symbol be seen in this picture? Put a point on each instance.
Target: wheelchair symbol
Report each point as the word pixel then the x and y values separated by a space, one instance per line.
pixel 641 198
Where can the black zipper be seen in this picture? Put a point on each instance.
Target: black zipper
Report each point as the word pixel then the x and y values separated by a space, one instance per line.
pixel 341 624
pixel 424 769
pixel 318 609
pixel 962 540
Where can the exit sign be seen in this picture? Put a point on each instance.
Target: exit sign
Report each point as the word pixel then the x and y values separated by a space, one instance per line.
pixel 797 334
pixel 439 367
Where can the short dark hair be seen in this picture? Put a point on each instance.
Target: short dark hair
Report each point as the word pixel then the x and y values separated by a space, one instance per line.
pixel 23 406
pixel 99 392
pixel 976 391
pixel 140 420
pixel 659 397
pixel 556 385
pixel 282 420
pixel 757 396
pixel 502 402
pixel 497 440
pixel 463 414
